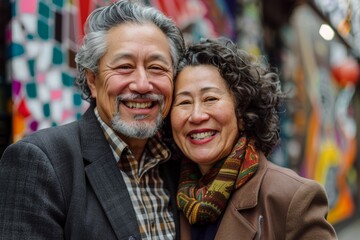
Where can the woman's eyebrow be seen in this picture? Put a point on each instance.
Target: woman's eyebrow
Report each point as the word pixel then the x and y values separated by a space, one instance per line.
pixel 202 90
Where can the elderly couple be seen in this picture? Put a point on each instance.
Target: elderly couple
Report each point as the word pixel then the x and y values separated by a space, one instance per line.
pixel 129 170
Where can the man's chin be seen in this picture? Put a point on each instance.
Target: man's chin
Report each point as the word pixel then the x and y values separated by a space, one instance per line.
pixel 140 129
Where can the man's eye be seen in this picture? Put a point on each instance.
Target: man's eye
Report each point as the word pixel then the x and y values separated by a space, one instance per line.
pixel 157 68
pixel 125 67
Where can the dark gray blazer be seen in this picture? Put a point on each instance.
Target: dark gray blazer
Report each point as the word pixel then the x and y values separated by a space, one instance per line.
pixel 63 183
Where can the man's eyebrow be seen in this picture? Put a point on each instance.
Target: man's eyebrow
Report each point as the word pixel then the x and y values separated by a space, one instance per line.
pixel 161 58
pixel 120 56
pixel 152 57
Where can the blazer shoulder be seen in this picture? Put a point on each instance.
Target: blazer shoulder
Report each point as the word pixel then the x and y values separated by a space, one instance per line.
pixel 53 132
pixel 54 137
pixel 61 145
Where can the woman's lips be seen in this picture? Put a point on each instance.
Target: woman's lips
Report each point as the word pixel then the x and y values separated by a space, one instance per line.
pixel 201 136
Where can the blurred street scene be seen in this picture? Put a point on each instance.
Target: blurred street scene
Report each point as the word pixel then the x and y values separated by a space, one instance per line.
pixel 350 232
pixel 314 44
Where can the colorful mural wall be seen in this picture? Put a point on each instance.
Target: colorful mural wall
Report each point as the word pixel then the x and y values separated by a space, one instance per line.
pixel 327 75
pixel 201 18
pixel 320 119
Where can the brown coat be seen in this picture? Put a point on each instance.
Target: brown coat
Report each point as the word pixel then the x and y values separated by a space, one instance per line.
pixel 275 204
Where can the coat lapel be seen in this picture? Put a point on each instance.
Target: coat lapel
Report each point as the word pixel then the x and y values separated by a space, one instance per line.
pixel 105 178
pixel 234 225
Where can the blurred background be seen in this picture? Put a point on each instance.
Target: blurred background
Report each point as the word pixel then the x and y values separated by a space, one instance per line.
pixel 314 44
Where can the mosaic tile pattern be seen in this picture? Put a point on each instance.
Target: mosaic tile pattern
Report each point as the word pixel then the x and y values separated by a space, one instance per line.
pixel 42 44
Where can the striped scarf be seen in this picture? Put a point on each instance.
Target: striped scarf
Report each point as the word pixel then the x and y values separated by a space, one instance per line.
pixel 203 198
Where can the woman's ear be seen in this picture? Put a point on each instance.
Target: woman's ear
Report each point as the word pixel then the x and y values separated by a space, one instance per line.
pixel 240 124
pixel 90 79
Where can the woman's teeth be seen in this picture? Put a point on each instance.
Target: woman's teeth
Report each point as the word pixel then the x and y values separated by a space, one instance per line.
pixel 199 136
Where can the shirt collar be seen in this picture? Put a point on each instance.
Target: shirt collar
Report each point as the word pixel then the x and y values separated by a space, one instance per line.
pixel 154 146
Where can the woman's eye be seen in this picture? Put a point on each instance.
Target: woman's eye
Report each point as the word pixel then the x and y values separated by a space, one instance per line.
pixel 182 102
pixel 210 99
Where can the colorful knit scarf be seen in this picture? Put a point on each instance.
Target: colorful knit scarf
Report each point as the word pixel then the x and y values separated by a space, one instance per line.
pixel 203 198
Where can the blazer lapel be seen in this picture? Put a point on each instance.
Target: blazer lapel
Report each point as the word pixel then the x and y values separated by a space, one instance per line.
pixel 105 178
pixel 110 189
pixel 170 173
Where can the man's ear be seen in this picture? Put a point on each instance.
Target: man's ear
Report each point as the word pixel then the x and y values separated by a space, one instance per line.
pixel 90 79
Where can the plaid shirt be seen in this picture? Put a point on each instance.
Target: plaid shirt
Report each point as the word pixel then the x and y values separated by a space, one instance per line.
pixel 149 197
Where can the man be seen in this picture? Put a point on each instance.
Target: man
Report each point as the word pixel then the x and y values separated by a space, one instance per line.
pixel 105 176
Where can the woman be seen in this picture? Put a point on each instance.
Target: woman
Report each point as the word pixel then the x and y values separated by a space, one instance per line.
pixel 225 121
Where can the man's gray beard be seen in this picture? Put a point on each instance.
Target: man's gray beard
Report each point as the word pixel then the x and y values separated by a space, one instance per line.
pixel 136 129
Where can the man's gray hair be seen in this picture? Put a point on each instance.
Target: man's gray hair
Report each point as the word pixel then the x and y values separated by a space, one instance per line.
pixel 102 19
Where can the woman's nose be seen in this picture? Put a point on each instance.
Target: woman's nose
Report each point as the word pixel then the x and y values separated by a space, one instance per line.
pixel 198 114
pixel 141 83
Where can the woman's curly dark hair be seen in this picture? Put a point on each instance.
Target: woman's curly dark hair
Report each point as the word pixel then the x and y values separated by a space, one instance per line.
pixel 256 87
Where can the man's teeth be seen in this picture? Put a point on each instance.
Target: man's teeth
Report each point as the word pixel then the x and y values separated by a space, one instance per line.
pixel 199 136
pixel 138 105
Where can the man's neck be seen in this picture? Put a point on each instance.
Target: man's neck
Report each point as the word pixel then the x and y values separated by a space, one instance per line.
pixel 136 146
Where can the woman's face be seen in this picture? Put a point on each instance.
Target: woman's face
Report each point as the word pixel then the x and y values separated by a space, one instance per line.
pixel 203 119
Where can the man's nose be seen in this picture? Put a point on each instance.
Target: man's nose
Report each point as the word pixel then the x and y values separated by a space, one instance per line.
pixel 141 82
